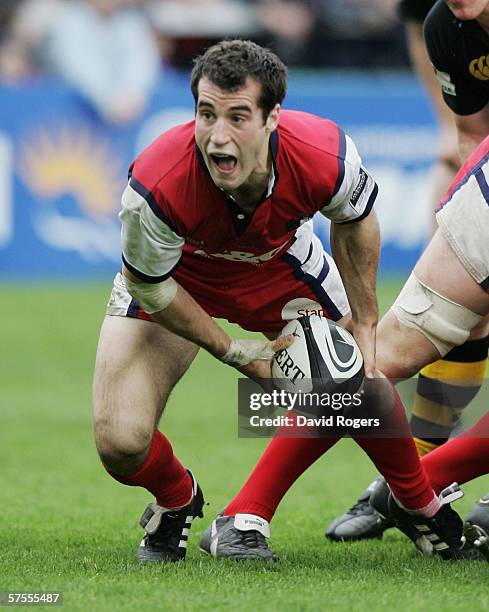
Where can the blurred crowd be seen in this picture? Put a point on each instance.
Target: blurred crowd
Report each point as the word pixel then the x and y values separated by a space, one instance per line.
pixel 113 51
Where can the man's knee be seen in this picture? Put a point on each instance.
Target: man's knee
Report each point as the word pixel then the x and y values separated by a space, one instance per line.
pixel 122 444
pixel 394 366
pixel 402 351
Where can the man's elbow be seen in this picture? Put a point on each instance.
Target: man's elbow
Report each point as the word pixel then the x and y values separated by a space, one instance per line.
pixel 128 275
pixel 153 297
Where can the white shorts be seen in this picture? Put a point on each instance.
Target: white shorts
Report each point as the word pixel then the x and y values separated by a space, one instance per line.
pixel 464 221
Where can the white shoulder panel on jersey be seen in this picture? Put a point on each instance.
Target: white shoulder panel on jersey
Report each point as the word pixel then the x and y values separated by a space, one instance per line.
pixel 356 193
pixel 149 245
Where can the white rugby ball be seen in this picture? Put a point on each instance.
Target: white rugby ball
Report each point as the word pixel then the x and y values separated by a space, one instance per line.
pixel 324 357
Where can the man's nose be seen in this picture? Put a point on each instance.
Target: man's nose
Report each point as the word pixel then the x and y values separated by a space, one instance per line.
pixel 220 133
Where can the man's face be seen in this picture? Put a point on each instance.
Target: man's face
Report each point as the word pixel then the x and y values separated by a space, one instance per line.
pixel 231 133
pixel 466 10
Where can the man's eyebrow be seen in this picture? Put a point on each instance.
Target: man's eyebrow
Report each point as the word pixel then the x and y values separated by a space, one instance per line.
pixel 242 108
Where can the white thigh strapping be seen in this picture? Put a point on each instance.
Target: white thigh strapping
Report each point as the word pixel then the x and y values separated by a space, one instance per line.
pixel 445 323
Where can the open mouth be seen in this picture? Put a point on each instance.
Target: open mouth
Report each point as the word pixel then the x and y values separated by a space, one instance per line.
pixel 225 163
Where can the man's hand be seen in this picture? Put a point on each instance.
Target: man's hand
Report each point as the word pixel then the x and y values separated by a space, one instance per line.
pixel 365 335
pixel 356 250
pixel 184 317
pixel 259 355
pixel 242 352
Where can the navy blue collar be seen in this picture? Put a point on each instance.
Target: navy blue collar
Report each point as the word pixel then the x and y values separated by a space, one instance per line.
pixel 239 218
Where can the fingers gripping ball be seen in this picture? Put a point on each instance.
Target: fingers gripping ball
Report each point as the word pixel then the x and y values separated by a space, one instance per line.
pixel 324 357
pixel 242 352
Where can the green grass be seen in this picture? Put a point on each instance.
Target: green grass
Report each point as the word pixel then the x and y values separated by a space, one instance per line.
pixel 67 526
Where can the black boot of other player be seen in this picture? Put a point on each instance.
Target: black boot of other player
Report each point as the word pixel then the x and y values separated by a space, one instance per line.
pixel 360 522
pixel 440 534
pixel 476 527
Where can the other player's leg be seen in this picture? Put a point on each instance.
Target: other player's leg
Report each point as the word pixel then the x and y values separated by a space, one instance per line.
pixel 462 459
pixel 138 364
pixel 402 348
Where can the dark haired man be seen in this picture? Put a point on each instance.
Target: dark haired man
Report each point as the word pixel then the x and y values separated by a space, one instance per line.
pixel 215 210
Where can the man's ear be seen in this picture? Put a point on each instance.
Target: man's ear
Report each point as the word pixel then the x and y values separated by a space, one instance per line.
pixel 272 120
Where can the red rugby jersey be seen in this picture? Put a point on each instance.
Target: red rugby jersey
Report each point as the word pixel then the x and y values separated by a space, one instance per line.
pixel 173 213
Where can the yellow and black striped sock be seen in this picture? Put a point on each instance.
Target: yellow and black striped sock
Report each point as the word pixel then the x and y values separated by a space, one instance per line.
pixel 444 389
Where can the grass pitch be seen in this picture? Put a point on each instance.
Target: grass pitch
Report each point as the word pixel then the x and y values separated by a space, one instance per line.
pixel 66 526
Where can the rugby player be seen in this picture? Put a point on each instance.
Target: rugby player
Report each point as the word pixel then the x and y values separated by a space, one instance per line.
pixel 214 211
pixel 436 310
pixel 462 244
pixel 457 40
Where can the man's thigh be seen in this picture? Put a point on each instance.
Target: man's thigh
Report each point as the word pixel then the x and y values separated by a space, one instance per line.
pixel 138 363
pixel 403 350
pixel 440 269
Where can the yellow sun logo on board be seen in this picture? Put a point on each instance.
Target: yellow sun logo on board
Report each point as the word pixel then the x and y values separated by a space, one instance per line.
pixel 73 162
pixel 479 68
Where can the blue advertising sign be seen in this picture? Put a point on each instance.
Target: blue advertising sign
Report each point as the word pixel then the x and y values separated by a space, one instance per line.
pixel 62 170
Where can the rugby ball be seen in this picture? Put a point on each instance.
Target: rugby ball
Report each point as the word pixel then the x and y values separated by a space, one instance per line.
pixel 324 357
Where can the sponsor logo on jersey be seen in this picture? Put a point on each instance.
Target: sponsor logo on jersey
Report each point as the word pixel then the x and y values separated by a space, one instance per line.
pixel 301 307
pixel 446 82
pixel 248 257
pixel 479 68
pixel 362 181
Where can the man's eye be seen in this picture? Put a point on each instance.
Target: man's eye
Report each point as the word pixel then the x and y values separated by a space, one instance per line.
pixel 238 118
pixel 206 115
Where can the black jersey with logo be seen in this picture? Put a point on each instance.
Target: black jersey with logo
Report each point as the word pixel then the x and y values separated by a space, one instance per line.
pixel 459 51
pixel 415 10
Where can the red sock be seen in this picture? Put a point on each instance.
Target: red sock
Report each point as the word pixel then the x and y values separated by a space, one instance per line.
pixel 461 459
pixel 162 474
pixel 283 461
pixel 398 461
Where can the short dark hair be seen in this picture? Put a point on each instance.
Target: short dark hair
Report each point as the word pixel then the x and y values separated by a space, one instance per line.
pixel 228 63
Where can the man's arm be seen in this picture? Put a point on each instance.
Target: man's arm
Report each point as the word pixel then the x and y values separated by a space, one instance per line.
pixel 472 129
pixel 356 249
pixel 448 150
pixel 424 69
pixel 460 90
pixel 182 315
pixel 151 250
pixel 355 240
